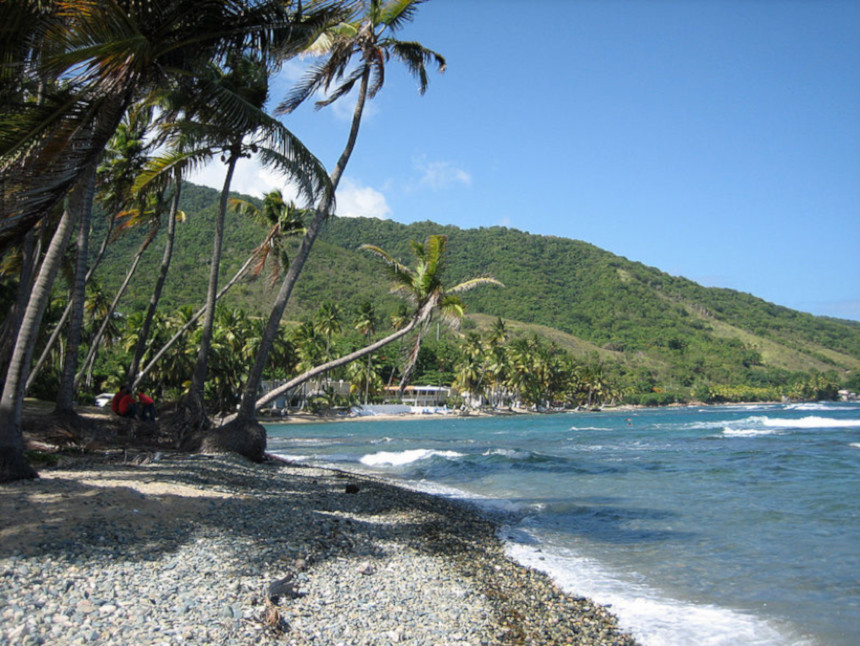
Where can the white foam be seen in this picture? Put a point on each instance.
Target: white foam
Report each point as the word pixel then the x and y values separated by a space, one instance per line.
pixel 508 453
pixel 855 445
pixel 812 422
pixel 652 618
pixel 810 406
pixel 748 432
pixel 400 458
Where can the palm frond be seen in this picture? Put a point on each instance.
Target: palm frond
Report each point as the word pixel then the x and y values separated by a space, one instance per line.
pixel 466 285
pixel 416 57
pixel 394 14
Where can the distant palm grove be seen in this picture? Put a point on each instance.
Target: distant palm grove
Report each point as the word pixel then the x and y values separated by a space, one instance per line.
pixel 115 270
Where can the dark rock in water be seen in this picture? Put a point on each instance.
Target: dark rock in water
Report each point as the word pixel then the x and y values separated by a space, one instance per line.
pixel 351 488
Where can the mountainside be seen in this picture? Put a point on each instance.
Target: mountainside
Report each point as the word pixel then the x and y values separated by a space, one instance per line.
pixel 654 329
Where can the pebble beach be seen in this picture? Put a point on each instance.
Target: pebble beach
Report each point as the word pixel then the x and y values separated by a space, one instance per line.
pixel 192 549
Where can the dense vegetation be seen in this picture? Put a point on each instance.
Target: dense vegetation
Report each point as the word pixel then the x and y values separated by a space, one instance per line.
pixel 659 338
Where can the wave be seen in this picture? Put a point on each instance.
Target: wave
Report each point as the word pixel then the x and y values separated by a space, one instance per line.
pixel 651 617
pixel 812 422
pixel 763 425
pixel 749 432
pixel 810 406
pixel 512 454
pixel 401 458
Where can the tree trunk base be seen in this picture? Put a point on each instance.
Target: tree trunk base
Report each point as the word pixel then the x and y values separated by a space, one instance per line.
pixel 187 421
pixel 14 467
pixel 245 437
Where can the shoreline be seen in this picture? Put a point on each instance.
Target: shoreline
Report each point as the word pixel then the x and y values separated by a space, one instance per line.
pixel 184 548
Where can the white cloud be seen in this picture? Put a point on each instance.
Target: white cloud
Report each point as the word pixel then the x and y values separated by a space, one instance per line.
pixel 440 174
pixel 249 178
pixel 355 201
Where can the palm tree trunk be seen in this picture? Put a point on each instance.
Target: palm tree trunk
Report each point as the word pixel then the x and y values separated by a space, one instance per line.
pixel 334 363
pixel 37 367
pixel 140 348
pixel 194 401
pixel 13 466
pixel 155 359
pixel 12 322
pixel 90 360
pixel 248 406
pixel 81 205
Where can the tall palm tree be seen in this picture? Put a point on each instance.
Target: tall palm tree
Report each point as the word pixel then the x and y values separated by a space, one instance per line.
pixel 123 159
pixel 83 63
pixel 242 87
pixel 365 323
pixel 365 38
pixel 78 65
pixel 82 205
pixel 13 466
pixel 328 323
pixel 173 217
pixel 422 287
pixel 150 215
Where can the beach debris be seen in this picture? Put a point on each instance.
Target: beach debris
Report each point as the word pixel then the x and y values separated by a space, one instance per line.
pixel 285 587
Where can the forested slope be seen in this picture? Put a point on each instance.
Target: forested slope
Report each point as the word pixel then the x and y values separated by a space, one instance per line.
pixel 653 328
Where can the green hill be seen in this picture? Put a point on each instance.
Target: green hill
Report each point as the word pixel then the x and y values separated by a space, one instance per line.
pixel 651 329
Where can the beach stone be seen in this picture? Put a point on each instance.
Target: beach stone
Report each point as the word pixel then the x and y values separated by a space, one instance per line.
pixel 213 534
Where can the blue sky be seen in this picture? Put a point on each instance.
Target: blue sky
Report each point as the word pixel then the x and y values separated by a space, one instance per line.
pixel 715 140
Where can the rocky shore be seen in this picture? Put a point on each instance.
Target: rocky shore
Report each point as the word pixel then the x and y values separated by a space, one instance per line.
pixel 180 549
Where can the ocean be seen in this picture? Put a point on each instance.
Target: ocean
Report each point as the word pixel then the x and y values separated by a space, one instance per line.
pixel 702 525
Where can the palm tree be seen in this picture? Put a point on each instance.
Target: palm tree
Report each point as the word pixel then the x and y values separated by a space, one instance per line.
pixel 173 217
pixel 75 66
pixel 148 214
pixel 365 323
pixel 82 205
pixel 422 287
pixel 284 220
pixel 83 62
pixel 327 323
pixel 365 38
pixel 13 466
pixel 243 87
pixel 472 367
pixel 123 159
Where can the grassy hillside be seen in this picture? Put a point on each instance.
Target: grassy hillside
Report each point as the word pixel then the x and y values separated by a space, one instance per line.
pixel 651 328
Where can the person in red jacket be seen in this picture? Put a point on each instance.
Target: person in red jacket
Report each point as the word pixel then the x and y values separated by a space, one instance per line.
pixel 147 406
pixel 123 403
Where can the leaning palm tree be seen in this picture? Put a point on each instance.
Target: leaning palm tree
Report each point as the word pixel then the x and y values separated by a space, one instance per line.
pixel 422 287
pixel 366 38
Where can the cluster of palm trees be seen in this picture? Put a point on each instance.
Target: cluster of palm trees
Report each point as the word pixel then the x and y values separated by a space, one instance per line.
pixel 526 372
pixel 115 101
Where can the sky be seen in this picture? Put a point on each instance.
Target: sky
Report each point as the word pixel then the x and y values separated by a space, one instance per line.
pixel 718 140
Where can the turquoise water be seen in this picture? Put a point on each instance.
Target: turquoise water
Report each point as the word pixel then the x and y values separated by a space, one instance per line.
pixel 717 525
